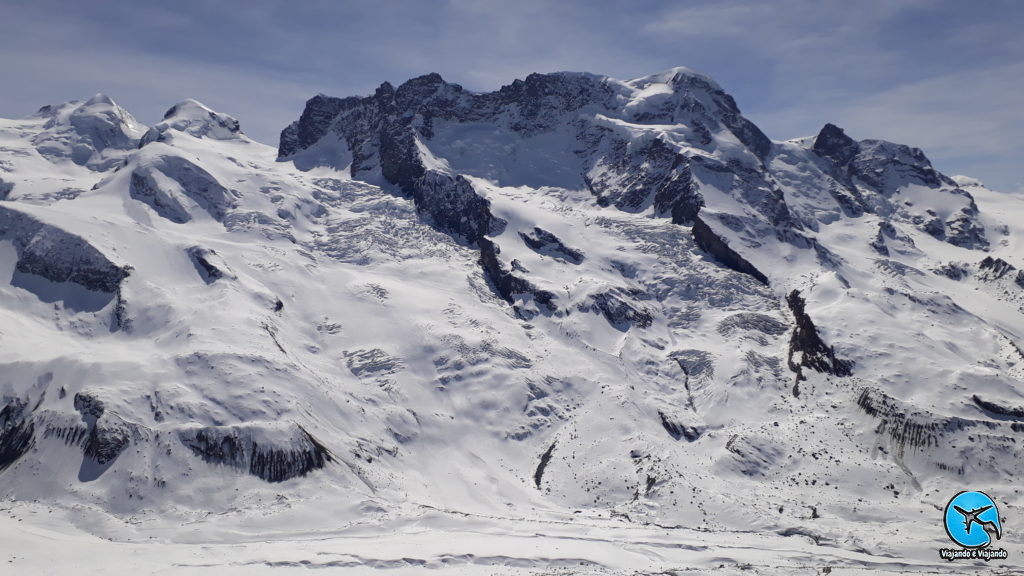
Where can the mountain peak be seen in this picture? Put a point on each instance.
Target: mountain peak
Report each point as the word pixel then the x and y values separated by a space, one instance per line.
pixel 832 142
pixel 84 131
pixel 197 119
pixel 100 98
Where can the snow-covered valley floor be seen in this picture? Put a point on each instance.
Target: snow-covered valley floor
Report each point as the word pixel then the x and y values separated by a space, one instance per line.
pixel 443 542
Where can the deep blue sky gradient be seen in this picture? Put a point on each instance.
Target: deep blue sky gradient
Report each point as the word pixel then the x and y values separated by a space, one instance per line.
pixel 946 76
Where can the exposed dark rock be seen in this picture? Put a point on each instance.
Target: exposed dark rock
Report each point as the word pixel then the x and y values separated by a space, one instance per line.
pixel 453 206
pixel 964 229
pixel 833 143
pixel 720 250
pixel 635 177
pixel 677 430
pixel 806 348
pixel 544 242
pixel 953 270
pixel 201 259
pixel 885 230
pixel 58 256
pixel 316 119
pixel 918 430
pixel 999 409
pixel 619 308
pixel 267 452
pixel 882 165
pixel 108 436
pixel 992 269
pixel 5 189
pixel 538 474
pixel 16 432
pixel 506 284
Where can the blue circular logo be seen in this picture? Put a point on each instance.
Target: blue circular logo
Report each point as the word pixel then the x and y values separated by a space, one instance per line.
pixel 972 519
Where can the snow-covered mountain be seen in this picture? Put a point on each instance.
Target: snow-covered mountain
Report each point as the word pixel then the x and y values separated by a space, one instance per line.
pixel 574 298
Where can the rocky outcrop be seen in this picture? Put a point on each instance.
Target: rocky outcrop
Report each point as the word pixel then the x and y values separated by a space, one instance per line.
pixel 546 243
pixel 5 189
pixel 619 307
pixel 207 263
pixel 991 269
pixel 867 175
pixel 16 432
pixel 108 435
pixel 452 205
pixel 58 256
pixel 678 430
pixel 633 178
pixel 912 432
pixel 833 143
pixel 271 452
pixel 718 248
pixel 538 474
pixel 1015 413
pixel 317 116
pixel 509 286
pixel 806 348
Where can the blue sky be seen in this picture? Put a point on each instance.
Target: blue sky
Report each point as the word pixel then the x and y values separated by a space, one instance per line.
pixel 946 76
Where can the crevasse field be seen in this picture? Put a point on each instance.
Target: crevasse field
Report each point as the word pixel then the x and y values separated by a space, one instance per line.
pixel 574 326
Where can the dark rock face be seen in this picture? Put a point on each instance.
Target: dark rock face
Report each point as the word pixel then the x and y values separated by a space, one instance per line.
pixel 108 436
pixel 1016 413
pixel 806 348
pixel 634 178
pixel 544 242
pixel 991 269
pixel 833 143
pixel 619 308
pixel 677 430
pixel 538 474
pixel 201 257
pixel 885 230
pixel 194 182
pixel 16 432
pixel 453 206
pixel 271 455
pixel 58 256
pixel 720 250
pixel 5 189
pixel 868 173
pixel 915 432
pixel 508 285
pixel 954 270
pixel 316 118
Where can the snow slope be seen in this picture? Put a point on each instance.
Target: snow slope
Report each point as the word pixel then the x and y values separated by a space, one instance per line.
pixel 577 325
